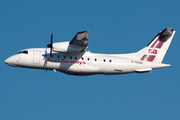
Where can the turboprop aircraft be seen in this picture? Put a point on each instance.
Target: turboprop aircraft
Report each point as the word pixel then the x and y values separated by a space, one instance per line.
pixel 72 57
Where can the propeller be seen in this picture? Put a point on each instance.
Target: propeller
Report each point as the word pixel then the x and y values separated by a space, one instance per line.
pixel 51 45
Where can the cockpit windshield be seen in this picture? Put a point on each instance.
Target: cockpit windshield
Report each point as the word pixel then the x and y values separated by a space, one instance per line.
pixel 24 52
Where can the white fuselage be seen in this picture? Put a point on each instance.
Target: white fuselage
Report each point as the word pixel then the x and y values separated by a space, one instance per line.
pixel 72 57
pixel 84 63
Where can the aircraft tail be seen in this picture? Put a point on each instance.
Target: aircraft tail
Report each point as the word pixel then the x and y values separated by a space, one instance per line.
pixel 157 48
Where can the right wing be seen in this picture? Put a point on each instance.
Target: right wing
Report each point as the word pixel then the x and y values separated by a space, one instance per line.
pixel 80 39
pixel 78 44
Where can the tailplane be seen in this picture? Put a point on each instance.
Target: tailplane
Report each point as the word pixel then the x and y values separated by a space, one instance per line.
pixel 157 48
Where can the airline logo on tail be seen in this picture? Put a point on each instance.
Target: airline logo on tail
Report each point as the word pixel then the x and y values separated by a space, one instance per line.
pixel 152 51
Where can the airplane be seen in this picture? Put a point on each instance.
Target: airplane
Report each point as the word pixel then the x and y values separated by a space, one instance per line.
pixel 73 58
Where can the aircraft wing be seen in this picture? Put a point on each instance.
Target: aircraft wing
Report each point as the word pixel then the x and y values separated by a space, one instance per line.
pixel 78 44
pixel 80 39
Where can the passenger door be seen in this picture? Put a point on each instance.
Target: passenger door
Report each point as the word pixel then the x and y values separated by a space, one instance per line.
pixel 36 56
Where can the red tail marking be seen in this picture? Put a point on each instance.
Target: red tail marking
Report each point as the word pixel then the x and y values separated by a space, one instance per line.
pixel 152 51
pixel 148 58
pixel 157 44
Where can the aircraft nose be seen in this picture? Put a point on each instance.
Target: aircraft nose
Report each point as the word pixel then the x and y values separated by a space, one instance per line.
pixel 10 61
pixel 6 61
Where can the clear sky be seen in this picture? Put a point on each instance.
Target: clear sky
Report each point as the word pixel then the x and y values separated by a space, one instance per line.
pixel 115 26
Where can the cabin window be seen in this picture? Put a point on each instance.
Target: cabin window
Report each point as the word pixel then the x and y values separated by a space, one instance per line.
pixel 88 59
pixel 58 56
pixel 64 57
pixel 19 52
pixel 110 61
pixel 75 58
pixel 95 59
pixel 82 58
pixel 104 60
pixel 25 52
pixel 71 57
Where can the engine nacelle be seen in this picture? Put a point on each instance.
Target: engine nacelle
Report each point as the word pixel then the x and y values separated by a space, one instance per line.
pixel 66 47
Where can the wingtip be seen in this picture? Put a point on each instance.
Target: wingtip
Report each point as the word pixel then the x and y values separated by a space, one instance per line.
pixel 168 65
pixel 84 31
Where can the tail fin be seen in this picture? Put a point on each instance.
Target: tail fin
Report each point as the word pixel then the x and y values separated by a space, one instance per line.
pixel 156 49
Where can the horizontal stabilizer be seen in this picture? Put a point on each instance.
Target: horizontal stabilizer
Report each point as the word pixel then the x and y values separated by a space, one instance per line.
pixel 143 70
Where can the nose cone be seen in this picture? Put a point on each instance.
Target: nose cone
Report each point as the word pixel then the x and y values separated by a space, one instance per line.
pixel 6 61
pixel 10 61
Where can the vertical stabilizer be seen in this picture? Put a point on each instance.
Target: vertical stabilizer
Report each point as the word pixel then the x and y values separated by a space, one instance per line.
pixel 157 48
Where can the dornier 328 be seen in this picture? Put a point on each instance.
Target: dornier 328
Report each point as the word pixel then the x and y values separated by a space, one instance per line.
pixel 72 57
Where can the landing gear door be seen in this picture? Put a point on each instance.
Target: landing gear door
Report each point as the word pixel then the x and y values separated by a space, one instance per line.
pixel 36 56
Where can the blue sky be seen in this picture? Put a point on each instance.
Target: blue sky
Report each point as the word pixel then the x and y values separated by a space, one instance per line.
pixel 115 27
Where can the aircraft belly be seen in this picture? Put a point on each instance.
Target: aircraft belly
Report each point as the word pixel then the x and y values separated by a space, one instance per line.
pixel 107 69
pixel 73 68
pixel 83 69
pixel 130 65
pixel 91 69
pixel 52 65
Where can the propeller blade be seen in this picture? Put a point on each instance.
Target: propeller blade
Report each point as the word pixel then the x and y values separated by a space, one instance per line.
pixel 51 38
pixel 51 45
